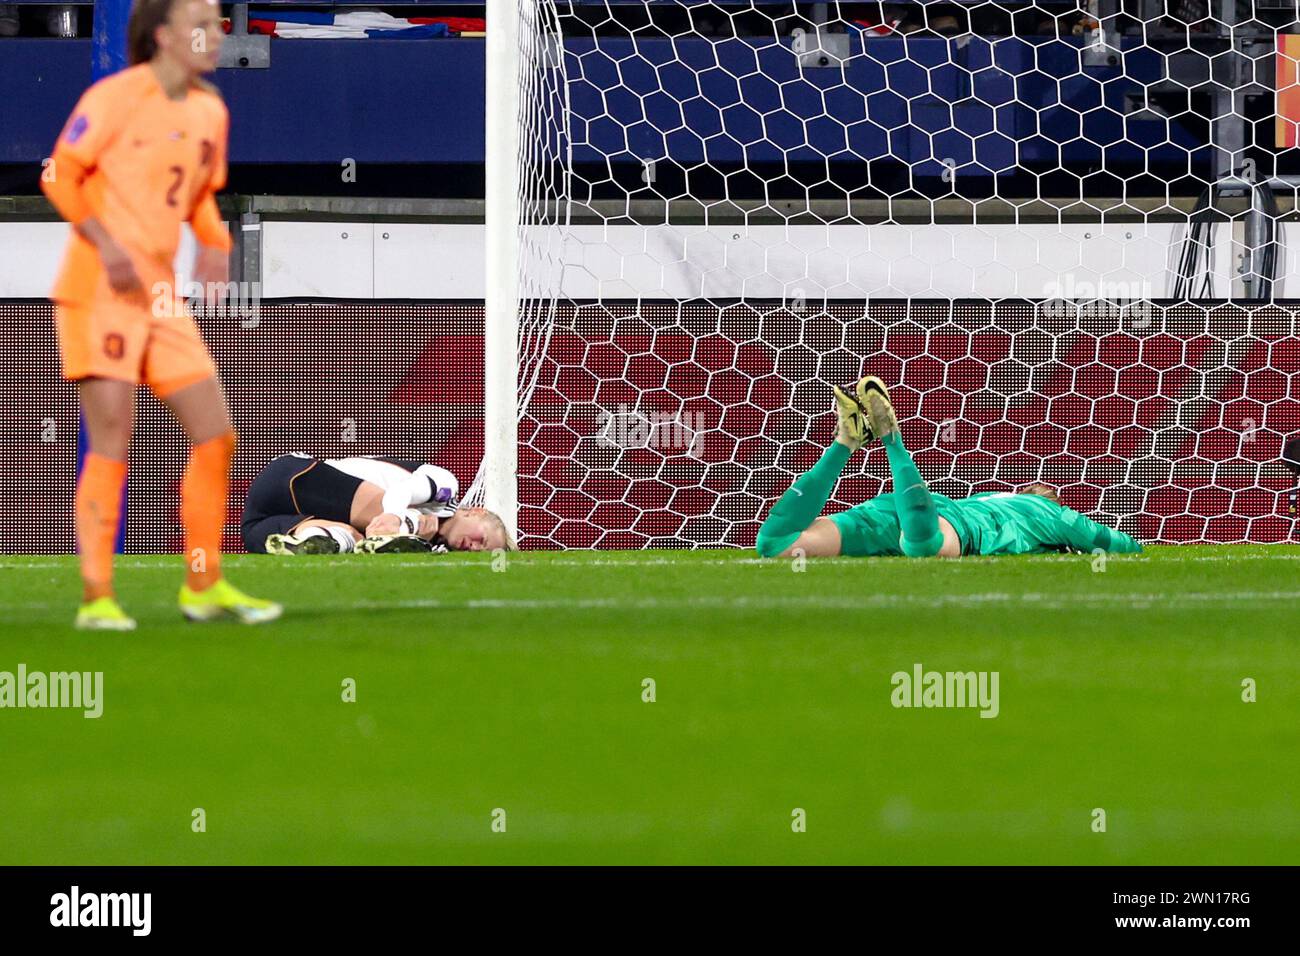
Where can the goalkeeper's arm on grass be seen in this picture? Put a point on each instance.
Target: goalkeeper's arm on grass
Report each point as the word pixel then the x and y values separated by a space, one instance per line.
pixel 1081 533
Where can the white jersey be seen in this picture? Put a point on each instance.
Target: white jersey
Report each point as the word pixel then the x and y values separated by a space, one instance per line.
pixel 429 487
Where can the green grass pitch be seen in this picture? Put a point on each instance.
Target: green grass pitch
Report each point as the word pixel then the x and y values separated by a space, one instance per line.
pixel 521 689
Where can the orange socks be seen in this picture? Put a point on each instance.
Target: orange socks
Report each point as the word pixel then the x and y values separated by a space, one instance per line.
pixel 203 508
pixel 99 506
pixel 203 513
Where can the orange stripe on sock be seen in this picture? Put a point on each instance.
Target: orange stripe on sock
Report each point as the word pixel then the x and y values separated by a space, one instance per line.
pixel 203 508
pixel 99 508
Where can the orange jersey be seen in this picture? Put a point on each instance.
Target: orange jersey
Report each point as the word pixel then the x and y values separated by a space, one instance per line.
pixel 141 164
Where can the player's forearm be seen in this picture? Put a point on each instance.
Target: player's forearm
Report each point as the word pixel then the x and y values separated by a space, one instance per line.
pixel 208 226
pixel 65 189
pixel 1120 543
pixel 1088 535
pixel 428 483
pixel 94 232
pixel 397 500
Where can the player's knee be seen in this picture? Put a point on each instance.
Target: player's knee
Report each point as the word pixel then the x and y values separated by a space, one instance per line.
pixel 224 444
pixel 115 422
pixel 771 546
pixel 111 434
pixel 928 548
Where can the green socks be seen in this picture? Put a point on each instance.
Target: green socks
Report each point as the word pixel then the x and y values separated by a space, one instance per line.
pixel 804 501
pixel 921 536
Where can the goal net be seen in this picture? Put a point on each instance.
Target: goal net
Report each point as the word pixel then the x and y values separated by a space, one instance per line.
pixel 1057 231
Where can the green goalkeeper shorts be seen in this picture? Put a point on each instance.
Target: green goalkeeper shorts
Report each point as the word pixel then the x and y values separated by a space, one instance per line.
pixel 870 528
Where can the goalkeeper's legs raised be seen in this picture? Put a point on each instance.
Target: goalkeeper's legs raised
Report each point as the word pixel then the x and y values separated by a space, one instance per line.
pixel 917 516
pixel 793 524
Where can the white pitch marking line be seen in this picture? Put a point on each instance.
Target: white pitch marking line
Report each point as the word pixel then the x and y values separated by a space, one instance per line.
pixel 823 601
pixel 1037 600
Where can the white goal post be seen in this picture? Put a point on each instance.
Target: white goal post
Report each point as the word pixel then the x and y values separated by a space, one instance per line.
pixel 497 478
pixel 698 215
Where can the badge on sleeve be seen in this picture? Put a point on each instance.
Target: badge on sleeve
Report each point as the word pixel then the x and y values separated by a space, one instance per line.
pixel 77 127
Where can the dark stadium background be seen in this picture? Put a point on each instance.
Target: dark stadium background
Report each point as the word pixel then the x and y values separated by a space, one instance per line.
pixel 1172 398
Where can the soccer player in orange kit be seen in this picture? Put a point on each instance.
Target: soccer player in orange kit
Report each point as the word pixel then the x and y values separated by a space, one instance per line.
pixel 144 151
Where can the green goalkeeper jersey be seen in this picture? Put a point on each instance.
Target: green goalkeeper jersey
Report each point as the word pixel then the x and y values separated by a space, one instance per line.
pixel 997 522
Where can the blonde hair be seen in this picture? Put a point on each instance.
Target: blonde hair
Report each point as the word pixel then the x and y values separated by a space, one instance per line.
pixel 505 532
pixel 492 517
pixel 1042 490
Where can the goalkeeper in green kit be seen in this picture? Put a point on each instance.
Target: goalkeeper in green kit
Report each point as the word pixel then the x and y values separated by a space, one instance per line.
pixel 912 520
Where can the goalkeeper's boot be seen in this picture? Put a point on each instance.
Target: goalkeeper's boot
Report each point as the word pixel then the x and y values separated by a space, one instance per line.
pixel 850 423
pixel 394 544
pixel 224 601
pixel 874 399
pixel 301 544
pixel 103 614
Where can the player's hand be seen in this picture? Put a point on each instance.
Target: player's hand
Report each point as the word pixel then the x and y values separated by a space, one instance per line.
pixel 383 524
pixel 428 526
pixel 119 268
pixel 212 272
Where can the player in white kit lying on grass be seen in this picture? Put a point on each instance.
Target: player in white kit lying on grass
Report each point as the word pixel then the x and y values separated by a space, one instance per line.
pixel 303 505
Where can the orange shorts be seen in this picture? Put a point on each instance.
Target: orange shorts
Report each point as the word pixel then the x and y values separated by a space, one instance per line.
pixel 119 338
